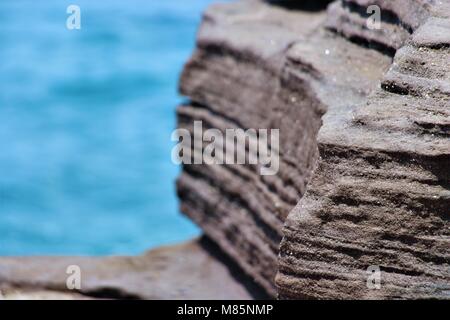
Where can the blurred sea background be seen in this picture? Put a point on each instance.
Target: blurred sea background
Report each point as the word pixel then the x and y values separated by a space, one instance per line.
pixel 85 123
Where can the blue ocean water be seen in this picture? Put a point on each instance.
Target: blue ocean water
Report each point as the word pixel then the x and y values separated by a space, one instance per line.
pixel 85 123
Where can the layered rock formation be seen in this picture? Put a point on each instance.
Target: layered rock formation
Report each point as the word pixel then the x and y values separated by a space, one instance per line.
pixel 380 194
pixel 374 128
pixel 234 81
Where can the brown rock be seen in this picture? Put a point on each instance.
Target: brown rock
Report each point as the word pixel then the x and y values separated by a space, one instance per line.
pixel 399 19
pixel 234 81
pixel 194 270
pixel 263 66
pixel 378 195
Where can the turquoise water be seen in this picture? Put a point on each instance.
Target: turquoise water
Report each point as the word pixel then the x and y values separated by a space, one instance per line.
pixel 85 123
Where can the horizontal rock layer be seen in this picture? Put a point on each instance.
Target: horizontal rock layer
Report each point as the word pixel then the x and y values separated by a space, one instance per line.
pixel 234 81
pixel 378 195
pixel 398 19
pixel 193 270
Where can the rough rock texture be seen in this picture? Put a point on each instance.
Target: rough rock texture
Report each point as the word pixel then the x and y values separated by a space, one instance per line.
pixel 234 81
pixel 380 191
pixel 380 194
pixel 399 19
pixel 194 270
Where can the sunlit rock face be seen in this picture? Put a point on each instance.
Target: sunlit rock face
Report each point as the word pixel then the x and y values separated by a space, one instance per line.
pixel 364 145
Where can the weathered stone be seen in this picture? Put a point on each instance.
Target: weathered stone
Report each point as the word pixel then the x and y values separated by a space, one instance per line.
pixel 233 81
pixel 194 270
pixel 263 66
pixel 378 195
pixel 398 19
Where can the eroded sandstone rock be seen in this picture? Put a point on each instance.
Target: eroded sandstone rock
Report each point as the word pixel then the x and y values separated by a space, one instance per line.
pixel 378 195
pixel 234 81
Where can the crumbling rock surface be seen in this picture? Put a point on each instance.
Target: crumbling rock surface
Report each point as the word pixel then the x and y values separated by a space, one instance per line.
pixel 380 194
pixel 364 134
